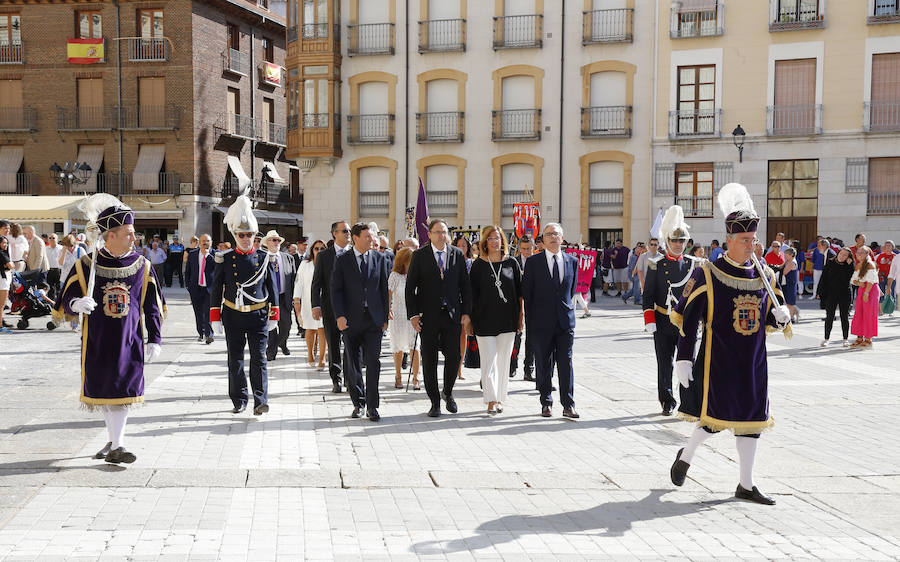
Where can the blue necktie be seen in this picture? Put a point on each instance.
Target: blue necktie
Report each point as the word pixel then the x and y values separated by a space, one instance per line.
pixel 556 280
pixel 441 263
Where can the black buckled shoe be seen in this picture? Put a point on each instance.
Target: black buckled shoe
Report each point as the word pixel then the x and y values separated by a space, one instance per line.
pixel 120 455
pixel 101 454
pixel 260 410
pixel 753 495
pixel 285 350
pixel 373 415
pixel 668 408
pixel 336 388
pixel 357 412
pixel 679 469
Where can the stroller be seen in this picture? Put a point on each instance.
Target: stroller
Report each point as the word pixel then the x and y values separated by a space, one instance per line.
pixel 24 302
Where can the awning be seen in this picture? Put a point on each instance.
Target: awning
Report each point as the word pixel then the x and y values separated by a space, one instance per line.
pixel 10 162
pixel 697 5
pixel 158 214
pixel 269 168
pixel 234 164
pixel 146 172
pixel 272 217
pixel 43 208
pixel 93 155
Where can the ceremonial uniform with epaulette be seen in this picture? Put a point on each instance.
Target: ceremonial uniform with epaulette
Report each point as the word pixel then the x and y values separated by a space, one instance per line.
pixel 243 300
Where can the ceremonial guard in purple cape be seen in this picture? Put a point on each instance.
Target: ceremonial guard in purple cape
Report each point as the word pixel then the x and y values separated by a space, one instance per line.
pixel 734 301
pixel 244 302
pixel 667 275
pixel 116 292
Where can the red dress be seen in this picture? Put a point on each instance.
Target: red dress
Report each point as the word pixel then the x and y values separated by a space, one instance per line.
pixel 865 314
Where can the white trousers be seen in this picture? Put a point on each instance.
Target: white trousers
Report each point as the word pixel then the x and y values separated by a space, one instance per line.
pixel 817 274
pixel 579 299
pixel 495 353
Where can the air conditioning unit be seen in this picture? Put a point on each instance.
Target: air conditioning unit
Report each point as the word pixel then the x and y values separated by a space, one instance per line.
pixel 185 189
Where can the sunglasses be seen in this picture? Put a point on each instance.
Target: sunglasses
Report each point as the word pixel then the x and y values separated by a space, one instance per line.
pixel 345 231
pixel 245 235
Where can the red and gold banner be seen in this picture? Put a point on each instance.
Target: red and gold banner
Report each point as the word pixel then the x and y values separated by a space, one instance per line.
pixel 272 74
pixel 86 51
pixel 527 218
pixel 587 259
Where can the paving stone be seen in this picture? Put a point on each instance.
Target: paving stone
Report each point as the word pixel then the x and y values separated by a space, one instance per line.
pixel 102 476
pixel 290 478
pixel 488 480
pixel 385 479
pixel 198 478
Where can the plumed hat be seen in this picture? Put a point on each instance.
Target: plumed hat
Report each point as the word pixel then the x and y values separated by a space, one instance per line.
pixel 737 206
pixel 239 217
pixel 104 212
pixel 673 226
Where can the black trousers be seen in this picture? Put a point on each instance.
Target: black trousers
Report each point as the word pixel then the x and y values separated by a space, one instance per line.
pixel 200 304
pixel 528 361
pixel 554 347
pixel 279 336
pixel 440 334
pixel 333 337
pixel 363 344
pixel 241 329
pixel 665 344
pixel 842 302
pixel 53 280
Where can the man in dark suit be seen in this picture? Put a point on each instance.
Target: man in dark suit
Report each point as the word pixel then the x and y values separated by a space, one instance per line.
pixel 525 250
pixel 198 276
pixel 548 287
pixel 438 303
pixel 286 273
pixel 320 298
pixel 359 293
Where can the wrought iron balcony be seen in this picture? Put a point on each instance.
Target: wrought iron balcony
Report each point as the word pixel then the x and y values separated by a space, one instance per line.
pixel 791 120
pixel 442 203
pixel 516 124
pixel 87 118
pixel 518 32
pixel 122 183
pixel 18 119
pixel 508 198
pixel 696 206
pixel 885 12
pixel 26 184
pixel 697 23
pixel 692 123
pixel 792 20
pixel 229 188
pixel 441 126
pixel 371 39
pixel 14 53
pixel 608 26
pixel 439 36
pixel 370 129
pixel 272 133
pixel 159 117
pixel 373 204
pixel 148 49
pixel 606 202
pixel 881 116
pixel 238 126
pixel 606 121
pixel 881 204
pixel 275 193
pixel 235 62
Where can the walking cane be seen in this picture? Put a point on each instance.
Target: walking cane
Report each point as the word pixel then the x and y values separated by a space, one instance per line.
pixel 409 376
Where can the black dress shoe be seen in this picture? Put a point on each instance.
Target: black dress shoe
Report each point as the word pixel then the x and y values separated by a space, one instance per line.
pixel 373 415
pixel 570 413
pixel 239 409
pixel 199 338
pixel 270 357
pixel 210 339
pixel 545 412
pixel 679 469
pixel 119 455
pixel 336 388
pixel 357 413
pixel 451 404
pixel 435 411
pixel 512 374
pixel 668 409
pixel 285 350
pixel 260 410
pixel 753 495
pixel 101 454
pixel 529 376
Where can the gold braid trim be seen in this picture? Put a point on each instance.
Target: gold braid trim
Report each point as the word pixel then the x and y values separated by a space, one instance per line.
pixel 739 283
pixel 739 428
pixel 116 272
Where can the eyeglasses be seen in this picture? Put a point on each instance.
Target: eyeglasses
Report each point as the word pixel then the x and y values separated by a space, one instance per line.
pixel 245 235
pixel 318 248
pixel 554 233
pixel 345 231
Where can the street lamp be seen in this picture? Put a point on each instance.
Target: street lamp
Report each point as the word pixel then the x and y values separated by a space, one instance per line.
pixel 78 173
pixel 738 135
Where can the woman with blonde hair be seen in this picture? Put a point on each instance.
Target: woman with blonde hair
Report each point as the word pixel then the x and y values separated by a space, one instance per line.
pixel 315 329
pixel 865 315
pixel 497 313
pixel 403 336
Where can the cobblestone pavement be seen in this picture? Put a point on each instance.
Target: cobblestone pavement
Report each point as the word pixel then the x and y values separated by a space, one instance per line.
pixel 306 481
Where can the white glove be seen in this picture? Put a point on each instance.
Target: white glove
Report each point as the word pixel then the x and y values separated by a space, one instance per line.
pixel 272 324
pixel 83 305
pixel 650 328
pixel 782 316
pixel 153 351
pixel 685 372
pixel 217 328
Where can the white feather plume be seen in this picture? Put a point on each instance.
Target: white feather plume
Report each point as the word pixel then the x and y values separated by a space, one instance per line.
pixel 92 206
pixel 672 220
pixel 734 198
pixel 241 211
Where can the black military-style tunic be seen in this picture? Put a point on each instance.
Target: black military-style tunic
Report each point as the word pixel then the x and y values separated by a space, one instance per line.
pixel 665 274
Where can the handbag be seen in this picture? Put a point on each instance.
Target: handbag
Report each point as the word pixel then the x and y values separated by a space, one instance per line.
pixel 888 304
pixel 472 358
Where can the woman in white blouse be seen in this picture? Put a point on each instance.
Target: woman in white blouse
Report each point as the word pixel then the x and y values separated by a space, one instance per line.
pixel 315 331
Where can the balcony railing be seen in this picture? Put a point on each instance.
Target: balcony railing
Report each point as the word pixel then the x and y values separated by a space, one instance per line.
pixel 371 39
pixel 508 198
pixel 18 119
pixel 148 49
pixel 319 31
pixel 792 20
pixel 608 26
pixel 691 123
pixel 606 121
pixel 374 204
pixel 697 23
pixel 293 122
pixel 321 120
pixel 794 120
pixel 518 32
pixel 292 34
pixel 272 133
pixel 239 126
pixel 443 203
pixel 441 126
pixel 881 116
pixel 437 36
pixel 606 202
pixel 229 188
pixel 235 62
pixel 87 118
pixel 14 53
pixel 119 183
pixel 886 11
pixel 26 184
pixel 370 129
pixel 271 192
pixel 516 124
pixel 696 206
pixel 884 203
pixel 150 117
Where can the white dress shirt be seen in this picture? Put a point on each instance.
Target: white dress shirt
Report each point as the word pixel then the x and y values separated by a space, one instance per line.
pixel 444 253
pixel 560 261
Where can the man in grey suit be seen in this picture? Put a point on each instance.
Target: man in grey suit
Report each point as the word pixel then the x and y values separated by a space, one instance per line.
pixel 285 273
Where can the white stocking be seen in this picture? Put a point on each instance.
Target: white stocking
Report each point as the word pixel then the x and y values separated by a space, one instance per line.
pixel 116 416
pixel 746 448
pixel 697 438
pixel 109 434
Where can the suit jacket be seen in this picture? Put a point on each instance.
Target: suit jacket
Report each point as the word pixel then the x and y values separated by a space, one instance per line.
pixel 320 288
pixel 192 270
pixel 425 288
pixel 290 274
pixel 347 289
pixel 549 308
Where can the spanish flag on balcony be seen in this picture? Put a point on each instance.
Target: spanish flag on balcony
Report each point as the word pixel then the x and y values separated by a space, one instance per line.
pixel 86 51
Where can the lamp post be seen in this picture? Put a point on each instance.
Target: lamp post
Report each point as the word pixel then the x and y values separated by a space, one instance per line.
pixel 69 175
pixel 738 135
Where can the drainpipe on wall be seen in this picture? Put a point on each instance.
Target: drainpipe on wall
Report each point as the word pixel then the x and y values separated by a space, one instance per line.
pixel 119 80
pixel 562 105
pixel 252 107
